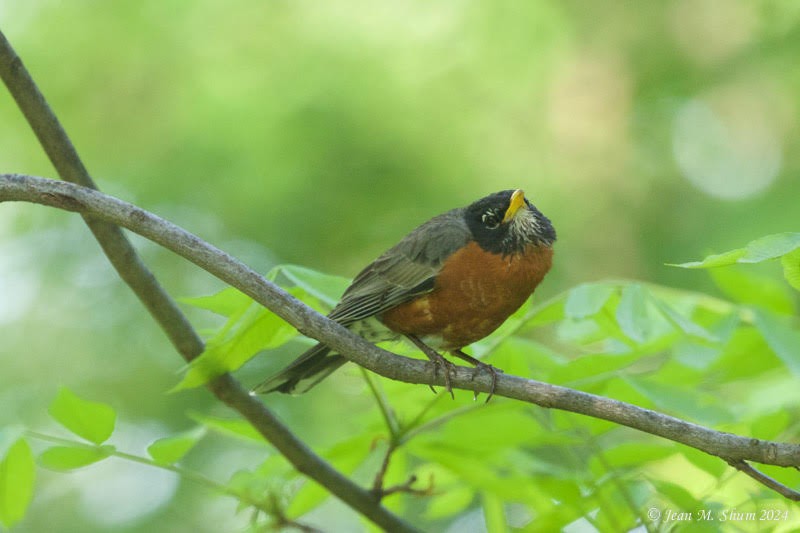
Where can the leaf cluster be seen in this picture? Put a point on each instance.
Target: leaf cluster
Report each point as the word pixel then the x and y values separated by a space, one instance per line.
pixel 730 363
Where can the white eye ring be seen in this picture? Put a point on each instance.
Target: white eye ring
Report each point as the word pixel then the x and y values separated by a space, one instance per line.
pixel 489 219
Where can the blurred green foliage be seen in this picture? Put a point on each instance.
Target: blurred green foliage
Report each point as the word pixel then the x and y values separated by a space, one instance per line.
pixel 318 134
pixel 516 465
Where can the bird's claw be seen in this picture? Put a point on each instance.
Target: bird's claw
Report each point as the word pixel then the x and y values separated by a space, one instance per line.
pixel 448 368
pixel 493 370
pixel 438 361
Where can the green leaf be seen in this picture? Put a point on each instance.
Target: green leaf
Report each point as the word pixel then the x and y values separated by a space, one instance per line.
pixel 486 430
pixel 524 357
pixel 557 517
pixel 763 249
pixel 678 495
pixel 259 329
pixel 771 247
pixel 476 470
pixel 255 486
pixel 252 328
pixel 324 287
pixel 345 456
pixel 746 355
pixel 581 331
pixel 233 427
pixel 561 489
pixel 170 450
pixel 769 426
pixel 717 260
pixel 587 299
pixel 17 472
pixel 747 287
pixel 64 458
pixel 619 501
pixel 694 355
pixel 448 502
pixel 631 313
pixel 714 466
pixel 791 268
pixel 705 408
pixel 9 435
pixel 635 453
pixel 775 392
pixel 596 367
pixel 782 338
pixel 546 312
pixel 493 513
pixel 226 302
pixel 684 324
pixel 92 421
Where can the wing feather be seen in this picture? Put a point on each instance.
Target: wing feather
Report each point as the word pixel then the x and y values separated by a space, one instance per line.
pixel 404 271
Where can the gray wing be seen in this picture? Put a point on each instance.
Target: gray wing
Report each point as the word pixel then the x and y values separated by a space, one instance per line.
pixel 404 271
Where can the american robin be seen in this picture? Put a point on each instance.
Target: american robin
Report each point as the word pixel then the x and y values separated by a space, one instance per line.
pixel 450 282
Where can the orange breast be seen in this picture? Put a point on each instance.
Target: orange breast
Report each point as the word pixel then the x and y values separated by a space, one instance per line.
pixel 475 292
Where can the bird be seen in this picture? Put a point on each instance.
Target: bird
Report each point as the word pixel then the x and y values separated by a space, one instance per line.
pixel 449 283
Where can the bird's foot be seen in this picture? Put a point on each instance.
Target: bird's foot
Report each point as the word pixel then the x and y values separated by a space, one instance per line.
pixel 438 362
pixel 447 368
pixel 480 366
pixel 494 371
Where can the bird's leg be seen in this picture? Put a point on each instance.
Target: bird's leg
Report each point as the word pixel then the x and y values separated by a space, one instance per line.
pixel 438 361
pixel 480 366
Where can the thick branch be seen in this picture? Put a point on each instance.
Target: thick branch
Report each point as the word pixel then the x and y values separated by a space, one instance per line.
pixel 73 198
pixel 162 307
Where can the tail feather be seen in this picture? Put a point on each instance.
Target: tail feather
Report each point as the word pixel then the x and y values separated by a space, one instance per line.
pixel 303 373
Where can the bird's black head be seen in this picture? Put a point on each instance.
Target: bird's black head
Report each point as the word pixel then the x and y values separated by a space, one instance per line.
pixel 505 222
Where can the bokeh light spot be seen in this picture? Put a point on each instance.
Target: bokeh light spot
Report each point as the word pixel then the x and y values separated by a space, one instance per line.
pixel 726 157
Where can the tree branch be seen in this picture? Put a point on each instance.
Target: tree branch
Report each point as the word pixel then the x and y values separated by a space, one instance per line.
pixel 309 322
pixel 777 486
pixel 162 307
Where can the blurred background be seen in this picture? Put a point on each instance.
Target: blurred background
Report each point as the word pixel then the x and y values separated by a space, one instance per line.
pixel 320 133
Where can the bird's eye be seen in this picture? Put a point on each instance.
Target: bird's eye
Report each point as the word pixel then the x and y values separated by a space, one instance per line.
pixel 490 219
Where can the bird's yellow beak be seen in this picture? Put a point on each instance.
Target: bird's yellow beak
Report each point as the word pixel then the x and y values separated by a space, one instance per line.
pixel 517 201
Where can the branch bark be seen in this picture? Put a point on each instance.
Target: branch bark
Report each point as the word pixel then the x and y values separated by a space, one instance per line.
pixel 162 307
pixel 734 449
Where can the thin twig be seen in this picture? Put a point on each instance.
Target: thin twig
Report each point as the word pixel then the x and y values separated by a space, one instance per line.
pixel 270 507
pixel 414 430
pixel 398 436
pixel 767 481
pixel 411 427
pixel 377 484
pixel 184 473
pixel 392 424
pixel 389 416
pixel 310 323
pixel 408 488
